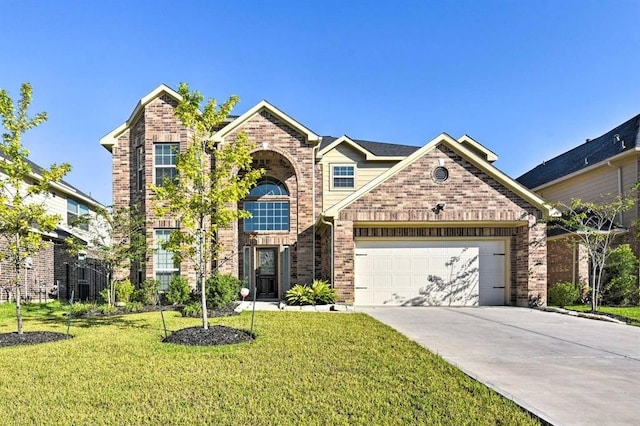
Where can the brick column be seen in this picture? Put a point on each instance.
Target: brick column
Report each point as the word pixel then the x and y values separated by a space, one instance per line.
pixel 343 260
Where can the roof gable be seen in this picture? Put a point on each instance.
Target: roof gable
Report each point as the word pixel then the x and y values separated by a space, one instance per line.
pixel 620 140
pixel 459 148
pixel 256 109
pixel 111 139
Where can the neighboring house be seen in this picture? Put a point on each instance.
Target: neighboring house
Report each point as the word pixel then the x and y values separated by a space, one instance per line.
pixel 53 272
pixel 594 172
pixel 383 223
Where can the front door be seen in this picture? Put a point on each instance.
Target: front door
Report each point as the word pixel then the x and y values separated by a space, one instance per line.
pixel 266 276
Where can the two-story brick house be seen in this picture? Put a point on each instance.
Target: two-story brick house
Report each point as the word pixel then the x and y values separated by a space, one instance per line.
pixel 594 171
pixel 383 223
pixel 53 272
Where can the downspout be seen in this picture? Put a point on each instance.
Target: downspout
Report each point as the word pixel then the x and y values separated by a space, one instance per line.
pixel 330 224
pixel 313 201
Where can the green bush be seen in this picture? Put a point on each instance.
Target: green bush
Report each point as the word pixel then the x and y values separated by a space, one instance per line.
pixel 299 295
pixel 222 290
pixel 107 309
pixel 147 294
pixel 193 309
pixel 322 293
pixel 621 286
pixel 179 290
pixel 563 294
pixel 133 307
pixel 105 294
pixel 318 293
pixel 79 309
pixel 124 289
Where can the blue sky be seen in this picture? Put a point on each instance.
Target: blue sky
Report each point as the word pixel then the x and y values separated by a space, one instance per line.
pixel 527 79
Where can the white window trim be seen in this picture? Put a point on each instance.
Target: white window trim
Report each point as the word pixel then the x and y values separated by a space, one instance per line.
pixel 140 168
pixel 332 177
pixel 162 166
pixel 156 244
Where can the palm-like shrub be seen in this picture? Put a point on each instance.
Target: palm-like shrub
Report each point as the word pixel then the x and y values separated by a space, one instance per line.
pixel 318 293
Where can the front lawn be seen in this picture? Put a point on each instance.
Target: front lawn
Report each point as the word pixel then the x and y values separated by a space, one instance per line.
pixel 304 368
pixel 630 312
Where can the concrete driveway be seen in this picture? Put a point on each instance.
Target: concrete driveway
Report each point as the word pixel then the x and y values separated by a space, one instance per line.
pixel 564 369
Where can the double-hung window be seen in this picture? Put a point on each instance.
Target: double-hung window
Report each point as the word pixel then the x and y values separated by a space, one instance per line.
pixel 77 215
pixel 164 158
pixel 164 265
pixel 343 176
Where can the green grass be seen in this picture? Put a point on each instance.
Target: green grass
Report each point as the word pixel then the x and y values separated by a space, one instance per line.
pixel 631 312
pixel 304 368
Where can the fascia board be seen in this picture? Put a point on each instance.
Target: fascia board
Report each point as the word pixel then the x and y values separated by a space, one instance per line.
pixel 222 133
pixel 491 156
pixel 111 139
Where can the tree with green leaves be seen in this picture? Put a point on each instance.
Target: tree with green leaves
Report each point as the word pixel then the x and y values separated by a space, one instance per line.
pixel 117 241
pixel 23 191
pixel 593 225
pixel 211 179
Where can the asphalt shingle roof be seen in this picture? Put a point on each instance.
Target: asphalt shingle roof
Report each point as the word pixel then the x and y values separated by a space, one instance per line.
pixel 382 149
pixel 594 151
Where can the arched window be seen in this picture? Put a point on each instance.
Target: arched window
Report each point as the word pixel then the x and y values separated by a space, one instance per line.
pixel 268 203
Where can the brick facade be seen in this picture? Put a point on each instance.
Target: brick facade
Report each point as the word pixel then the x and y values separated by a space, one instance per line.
pixel 476 204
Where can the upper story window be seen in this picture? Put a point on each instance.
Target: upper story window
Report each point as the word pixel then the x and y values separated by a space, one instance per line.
pixel 164 160
pixel 77 215
pixel 268 203
pixel 140 168
pixel 343 176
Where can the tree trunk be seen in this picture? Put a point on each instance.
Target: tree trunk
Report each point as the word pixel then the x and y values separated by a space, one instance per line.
pixel 18 300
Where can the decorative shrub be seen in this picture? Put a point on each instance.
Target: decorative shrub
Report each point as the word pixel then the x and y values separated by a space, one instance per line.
pixel 133 307
pixel 318 293
pixel 179 290
pixel 105 295
pixel 124 289
pixel 193 309
pixel 80 308
pixel 563 294
pixel 621 288
pixel 147 294
pixel 299 295
pixel 107 309
pixel 222 290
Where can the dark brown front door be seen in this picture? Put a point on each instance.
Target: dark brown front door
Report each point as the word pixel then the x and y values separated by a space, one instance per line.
pixel 267 273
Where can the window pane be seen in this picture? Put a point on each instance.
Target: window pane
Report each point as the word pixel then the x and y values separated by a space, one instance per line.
pixel 343 176
pixel 267 216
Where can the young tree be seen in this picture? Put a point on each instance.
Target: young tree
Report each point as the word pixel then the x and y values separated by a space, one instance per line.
pixel 211 180
pixel 23 191
pixel 594 226
pixel 117 240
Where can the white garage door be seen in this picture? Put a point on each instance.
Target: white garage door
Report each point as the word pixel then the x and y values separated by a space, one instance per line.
pixel 430 273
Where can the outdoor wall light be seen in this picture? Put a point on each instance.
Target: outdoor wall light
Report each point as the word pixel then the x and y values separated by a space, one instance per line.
pixel 438 208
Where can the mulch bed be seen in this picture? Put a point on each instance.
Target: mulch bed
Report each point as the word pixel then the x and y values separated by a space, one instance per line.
pixel 191 336
pixel 214 335
pixel 31 338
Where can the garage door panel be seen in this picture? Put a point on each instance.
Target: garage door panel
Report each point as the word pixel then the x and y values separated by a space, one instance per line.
pixel 449 273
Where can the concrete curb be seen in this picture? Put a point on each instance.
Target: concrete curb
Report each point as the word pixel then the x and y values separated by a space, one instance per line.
pixel 588 315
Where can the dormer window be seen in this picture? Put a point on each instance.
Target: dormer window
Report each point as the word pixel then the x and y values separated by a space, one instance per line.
pixel 343 176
